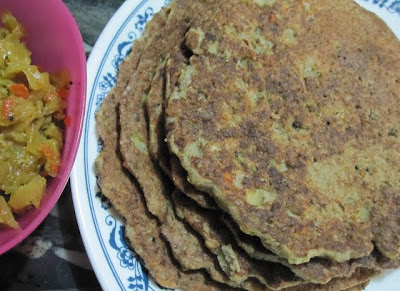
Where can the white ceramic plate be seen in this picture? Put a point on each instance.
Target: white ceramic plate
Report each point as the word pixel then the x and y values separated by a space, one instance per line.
pixel 101 227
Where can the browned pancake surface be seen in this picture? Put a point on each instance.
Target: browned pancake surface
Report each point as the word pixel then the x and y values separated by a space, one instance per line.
pixel 283 116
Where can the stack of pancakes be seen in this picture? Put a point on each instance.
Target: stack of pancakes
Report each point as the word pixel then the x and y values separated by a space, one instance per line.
pixel 254 144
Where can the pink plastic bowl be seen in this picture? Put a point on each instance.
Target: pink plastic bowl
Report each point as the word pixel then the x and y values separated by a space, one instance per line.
pixel 56 43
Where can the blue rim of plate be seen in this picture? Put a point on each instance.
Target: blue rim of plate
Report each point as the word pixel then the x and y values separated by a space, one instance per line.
pixel 103 83
pixel 86 148
pixel 104 80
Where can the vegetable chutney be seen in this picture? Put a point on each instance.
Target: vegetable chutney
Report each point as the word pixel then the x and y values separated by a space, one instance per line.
pixel 32 106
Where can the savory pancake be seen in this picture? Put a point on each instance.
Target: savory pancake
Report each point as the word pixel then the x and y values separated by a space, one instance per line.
pixel 137 159
pixel 287 115
pixel 317 270
pixel 134 135
pixel 220 241
pixel 237 264
pixel 175 63
pixel 142 229
pixel 191 253
pixel 186 248
pixel 233 61
pixel 179 177
pixel 166 76
pixel 133 127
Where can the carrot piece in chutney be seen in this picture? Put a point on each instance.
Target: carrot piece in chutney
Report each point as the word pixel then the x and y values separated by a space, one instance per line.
pixel 67 121
pixel 19 90
pixel 63 93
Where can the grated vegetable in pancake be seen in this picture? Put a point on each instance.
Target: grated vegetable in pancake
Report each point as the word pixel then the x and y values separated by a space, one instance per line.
pixel 283 117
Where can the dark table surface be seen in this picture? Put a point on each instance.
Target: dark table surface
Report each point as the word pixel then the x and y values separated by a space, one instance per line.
pixel 53 256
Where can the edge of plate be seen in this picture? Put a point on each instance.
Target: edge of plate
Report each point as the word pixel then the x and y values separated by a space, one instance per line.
pixel 100 264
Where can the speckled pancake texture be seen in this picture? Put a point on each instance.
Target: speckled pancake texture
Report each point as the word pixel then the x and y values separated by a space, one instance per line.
pixel 287 115
pixel 142 230
pixel 253 145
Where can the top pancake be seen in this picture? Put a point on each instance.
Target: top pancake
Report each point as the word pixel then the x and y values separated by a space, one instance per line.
pixel 185 245
pixel 287 114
